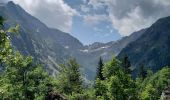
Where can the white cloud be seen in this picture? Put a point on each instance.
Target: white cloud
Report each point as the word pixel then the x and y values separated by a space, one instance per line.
pixel 96 3
pixel 84 1
pixel 94 19
pixel 128 16
pixel 164 2
pixel 98 30
pixel 130 23
pixel 54 13
pixel 85 8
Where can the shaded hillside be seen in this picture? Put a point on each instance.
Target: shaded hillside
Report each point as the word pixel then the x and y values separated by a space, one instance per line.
pixel 152 48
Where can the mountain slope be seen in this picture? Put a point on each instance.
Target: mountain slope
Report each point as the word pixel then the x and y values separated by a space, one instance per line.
pixel 52 47
pixel 152 48
pixel 36 39
pixel 89 56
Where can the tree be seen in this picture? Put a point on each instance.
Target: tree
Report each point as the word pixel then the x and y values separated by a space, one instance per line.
pixel 99 78
pixel 1 21
pixel 118 85
pixel 112 67
pixel 153 85
pixel 100 88
pixel 126 64
pixel 21 78
pixel 69 79
pixel 149 93
pixel 142 72
pixel 100 69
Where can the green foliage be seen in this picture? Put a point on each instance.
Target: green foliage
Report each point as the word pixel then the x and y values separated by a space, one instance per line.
pixel 118 85
pixel 69 79
pixel 153 86
pixel 122 89
pixel 14 29
pixel 126 64
pixel 100 88
pixel 149 93
pixel 112 68
pixel 87 95
pixel 100 69
pixel 142 72
pixel 5 46
pixel 1 21
pixel 21 78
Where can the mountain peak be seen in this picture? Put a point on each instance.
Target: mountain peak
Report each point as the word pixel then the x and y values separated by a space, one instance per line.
pixel 164 19
pixel 11 3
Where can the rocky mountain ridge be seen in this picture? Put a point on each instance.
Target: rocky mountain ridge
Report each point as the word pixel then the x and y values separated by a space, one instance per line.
pixel 53 47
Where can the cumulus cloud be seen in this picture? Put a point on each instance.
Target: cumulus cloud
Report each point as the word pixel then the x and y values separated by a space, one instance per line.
pixel 54 13
pixel 85 8
pixel 98 30
pixel 94 19
pixel 84 1
pixel 128 16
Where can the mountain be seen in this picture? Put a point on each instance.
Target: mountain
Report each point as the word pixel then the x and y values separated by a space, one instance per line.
pixel 89 56
pixel 152 49
pixel 48 46
pixel 53 47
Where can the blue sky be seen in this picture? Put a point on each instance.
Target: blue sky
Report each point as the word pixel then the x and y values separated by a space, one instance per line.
pixel 97 20
pixel 87 33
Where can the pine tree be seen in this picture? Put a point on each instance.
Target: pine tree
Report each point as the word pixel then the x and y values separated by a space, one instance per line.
pixel 74 76
pixel 126 64
pixel 142 72
pixel 100 69
pixel 117 86
pixel 99 78
pixel 70 80
pixel 1 21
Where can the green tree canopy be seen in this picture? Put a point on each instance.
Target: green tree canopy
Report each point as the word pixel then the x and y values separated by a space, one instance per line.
pixel 20 78
pixel 70 79
pixel 99 73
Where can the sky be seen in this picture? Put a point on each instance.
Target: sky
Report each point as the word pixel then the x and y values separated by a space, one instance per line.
pixel 97 20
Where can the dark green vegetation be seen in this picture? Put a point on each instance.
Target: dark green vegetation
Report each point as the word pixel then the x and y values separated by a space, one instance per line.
pixel 99 73
pixel 23 79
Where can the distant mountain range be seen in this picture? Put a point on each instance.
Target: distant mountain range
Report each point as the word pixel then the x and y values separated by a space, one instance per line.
pixel 53 47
